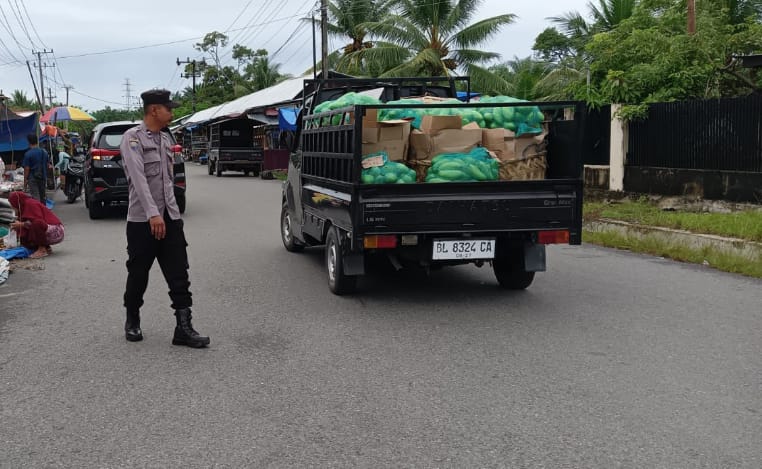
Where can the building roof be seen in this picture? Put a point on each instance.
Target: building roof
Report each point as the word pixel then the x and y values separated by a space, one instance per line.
pixel 287 90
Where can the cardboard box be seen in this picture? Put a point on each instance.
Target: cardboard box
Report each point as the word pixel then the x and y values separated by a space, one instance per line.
pixel 500 142
pixel 390 136
pixel 443 134
pixel 528 144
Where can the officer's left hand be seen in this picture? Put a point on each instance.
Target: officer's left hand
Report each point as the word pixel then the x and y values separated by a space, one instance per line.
pixel 158 228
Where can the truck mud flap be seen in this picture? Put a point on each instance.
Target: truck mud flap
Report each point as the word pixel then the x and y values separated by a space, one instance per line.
pixel 534 257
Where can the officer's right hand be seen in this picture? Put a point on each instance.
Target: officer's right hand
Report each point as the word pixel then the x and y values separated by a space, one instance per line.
pixel 158 228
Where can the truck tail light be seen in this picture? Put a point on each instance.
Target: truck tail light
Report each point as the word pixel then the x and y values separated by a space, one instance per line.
pixel 380 241
pixel 553 237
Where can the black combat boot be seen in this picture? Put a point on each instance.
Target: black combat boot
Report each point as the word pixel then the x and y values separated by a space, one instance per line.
pixel 184 332
pixel 132 327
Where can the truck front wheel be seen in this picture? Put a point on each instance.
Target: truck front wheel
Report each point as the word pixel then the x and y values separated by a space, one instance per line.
pixel 338 282
pixel 217 169
pixel 510 273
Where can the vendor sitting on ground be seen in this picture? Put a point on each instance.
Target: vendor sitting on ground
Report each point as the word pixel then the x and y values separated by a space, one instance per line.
pixel 37 226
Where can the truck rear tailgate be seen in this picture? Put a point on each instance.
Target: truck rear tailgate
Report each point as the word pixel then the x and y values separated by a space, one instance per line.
pixel 497 206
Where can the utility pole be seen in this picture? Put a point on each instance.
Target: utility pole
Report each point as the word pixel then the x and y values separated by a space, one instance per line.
pixel 36 93
pixel 51 96
pixel 127 91
pixel 314 48
pixel 691 17
pixel 193 74
pixel 324 36
pixel 40 66
pixel 67 88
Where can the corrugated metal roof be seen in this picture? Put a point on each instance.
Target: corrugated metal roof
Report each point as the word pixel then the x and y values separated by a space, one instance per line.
pixel 286 90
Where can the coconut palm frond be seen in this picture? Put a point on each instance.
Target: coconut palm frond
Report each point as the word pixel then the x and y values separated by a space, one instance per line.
pixel 487 82
pixel 479 32
pixel 473 56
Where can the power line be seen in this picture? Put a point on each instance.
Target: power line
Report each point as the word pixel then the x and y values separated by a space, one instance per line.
pixel 239 15
pixel 7 26
pixel 33 28
pixel 20 20
pixel 147 46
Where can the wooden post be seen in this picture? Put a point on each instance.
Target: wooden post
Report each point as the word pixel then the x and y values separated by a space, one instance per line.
pixel 691 17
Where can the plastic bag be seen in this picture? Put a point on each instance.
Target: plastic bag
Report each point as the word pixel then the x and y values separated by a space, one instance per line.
pixel 11 240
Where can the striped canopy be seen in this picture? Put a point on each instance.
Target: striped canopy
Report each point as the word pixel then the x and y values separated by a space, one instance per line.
pixel 65 113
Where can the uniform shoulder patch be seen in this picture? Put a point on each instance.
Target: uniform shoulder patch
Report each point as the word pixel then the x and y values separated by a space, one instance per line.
pixel 134 143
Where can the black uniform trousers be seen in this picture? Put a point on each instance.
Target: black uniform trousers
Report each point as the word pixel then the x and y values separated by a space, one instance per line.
pixel 171 252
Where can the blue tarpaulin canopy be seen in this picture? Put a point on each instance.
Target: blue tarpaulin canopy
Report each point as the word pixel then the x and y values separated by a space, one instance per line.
pixel 13 132
pixel 287 118
pixel 463 95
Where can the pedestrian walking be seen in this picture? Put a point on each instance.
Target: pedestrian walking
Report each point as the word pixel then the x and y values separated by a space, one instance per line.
pixel 35 165
pixel 154 226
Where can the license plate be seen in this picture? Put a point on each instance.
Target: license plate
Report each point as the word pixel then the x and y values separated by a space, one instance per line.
pixel 463 249
pixel 121 181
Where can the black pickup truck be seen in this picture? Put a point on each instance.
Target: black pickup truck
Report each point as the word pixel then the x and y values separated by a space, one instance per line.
pixel 232 147
pixel 504 223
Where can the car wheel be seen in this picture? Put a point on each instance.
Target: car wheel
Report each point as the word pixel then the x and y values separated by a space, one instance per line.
pixel 287 231
pixel 338 282
pixel 509 271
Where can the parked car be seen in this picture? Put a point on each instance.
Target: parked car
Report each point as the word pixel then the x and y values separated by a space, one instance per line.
pixel 105 181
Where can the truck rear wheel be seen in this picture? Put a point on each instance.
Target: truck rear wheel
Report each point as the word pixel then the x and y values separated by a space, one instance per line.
pixel 210 167
pixel 509 270
pixel 287 232
pixel 338 282
pixel 217 169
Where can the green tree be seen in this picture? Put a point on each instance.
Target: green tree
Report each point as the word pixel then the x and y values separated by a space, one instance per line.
pixel 434 38
pixel 261 73
pixel 21 102
pixel 242 55
pixel 523 76
pixel 651 58
pixel 346 22
pixel 212 44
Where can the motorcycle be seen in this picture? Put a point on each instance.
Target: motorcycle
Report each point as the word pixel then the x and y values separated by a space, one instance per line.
pixel 75 174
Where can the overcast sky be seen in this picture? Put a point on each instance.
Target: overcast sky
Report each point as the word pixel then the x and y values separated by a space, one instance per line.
pixel 99 46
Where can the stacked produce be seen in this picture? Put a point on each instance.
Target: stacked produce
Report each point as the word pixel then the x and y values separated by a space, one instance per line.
pixel 519 119
pixel 477 165
pixel 349 99
pixel 392 113
pixel 391 172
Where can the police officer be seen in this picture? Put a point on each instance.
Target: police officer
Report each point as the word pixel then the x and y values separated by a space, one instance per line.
pixel 154 226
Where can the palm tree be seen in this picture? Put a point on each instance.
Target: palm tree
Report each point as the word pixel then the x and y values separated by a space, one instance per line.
pixel 523 76
pixel 606 16
pixel 434 38
pixel 20 101
pixel 262 73
pixel 345 23
pixel 609 13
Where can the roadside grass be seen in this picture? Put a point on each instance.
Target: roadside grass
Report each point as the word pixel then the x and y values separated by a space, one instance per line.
pixel 744 225
pixel 708 255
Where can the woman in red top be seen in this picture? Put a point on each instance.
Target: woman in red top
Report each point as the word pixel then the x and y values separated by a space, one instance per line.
pixel 37 226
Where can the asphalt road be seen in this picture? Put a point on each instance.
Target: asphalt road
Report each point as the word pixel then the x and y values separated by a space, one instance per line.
pixel 609 360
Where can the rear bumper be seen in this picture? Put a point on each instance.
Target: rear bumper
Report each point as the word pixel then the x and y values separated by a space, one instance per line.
pixel 102 192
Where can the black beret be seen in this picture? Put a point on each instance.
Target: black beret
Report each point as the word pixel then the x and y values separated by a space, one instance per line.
pixel 158 97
